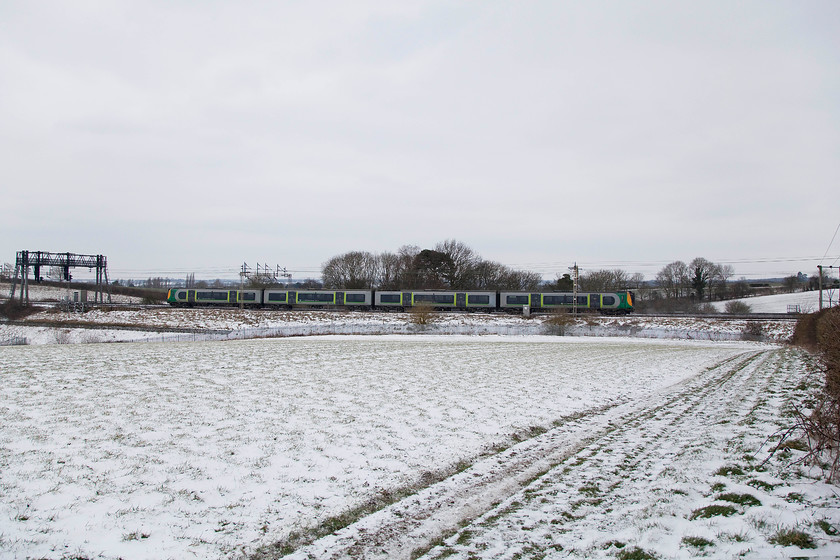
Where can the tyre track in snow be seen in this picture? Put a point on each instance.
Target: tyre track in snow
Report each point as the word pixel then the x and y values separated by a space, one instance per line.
pixel 416 522
pixel 568 501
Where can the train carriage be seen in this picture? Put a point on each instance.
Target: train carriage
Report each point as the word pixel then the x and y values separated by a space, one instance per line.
pixel 214 296
pixel 612 303
pixel 441 300
pixel 315 299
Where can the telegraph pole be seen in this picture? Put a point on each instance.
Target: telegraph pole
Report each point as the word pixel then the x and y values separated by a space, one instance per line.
pixel 575 289
pixel 242 276
pixel 819 267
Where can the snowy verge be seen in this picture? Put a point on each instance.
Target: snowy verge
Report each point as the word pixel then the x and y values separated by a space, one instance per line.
pixel 226 324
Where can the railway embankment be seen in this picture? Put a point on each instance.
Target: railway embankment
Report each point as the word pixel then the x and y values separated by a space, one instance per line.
pixel 138 323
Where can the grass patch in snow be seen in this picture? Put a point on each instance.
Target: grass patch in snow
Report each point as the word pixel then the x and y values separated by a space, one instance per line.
pixel 827 528
pixel 712 511
pixel 697 542
pixel 740 499
pixel 740 537
pixel 795 498
pixel 635 553
pixel 761 485
pixel 793 537
pixel 730 470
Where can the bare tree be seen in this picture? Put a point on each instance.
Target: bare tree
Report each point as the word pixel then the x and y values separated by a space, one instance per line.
pixel 463 261
pixel 719 279
pixel 388 271
pixel 353 270
pixel 673 279
pixel 603 280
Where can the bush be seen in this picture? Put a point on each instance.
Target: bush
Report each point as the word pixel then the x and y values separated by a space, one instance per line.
pixel 820 332
pixel 422 315
pixel 737 308
pixel 559 323
pixel 753 330
pixel 13 310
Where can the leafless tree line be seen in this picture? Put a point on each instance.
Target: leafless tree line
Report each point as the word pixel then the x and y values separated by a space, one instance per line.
pixel 450 265
pixel 700 278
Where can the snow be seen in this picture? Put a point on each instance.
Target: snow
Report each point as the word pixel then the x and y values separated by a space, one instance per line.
pixel 111 325
pixel 220 449
pixel 499 442
pixel 808 302
pixel 40 292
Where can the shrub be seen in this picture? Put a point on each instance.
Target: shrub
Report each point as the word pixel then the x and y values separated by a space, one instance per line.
pixel 559 323
pixel 821 332
pixel 736 307
pixel 12 310
pixel 753 330
pixel 422 315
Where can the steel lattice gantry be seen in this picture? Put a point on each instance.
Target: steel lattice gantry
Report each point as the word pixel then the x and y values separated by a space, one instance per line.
pixel 66 261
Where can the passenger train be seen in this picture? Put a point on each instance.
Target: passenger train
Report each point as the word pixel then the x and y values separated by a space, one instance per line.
pixel 612 303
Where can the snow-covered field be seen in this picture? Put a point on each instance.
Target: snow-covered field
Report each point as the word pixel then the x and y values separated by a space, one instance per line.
pixel 488 447
pixel 39 292
pixel 103 325
pixel 808 302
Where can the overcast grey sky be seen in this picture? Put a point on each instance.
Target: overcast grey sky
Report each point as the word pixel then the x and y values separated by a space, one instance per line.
pixel 191 136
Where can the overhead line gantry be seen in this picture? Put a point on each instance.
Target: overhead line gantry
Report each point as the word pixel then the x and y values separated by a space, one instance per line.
pixel 37 259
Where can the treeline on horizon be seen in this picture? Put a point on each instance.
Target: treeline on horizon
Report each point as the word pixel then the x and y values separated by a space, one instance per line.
pixel 453 265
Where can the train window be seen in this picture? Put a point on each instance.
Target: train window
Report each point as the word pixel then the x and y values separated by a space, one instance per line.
pixel 608 300
pixel 316 298
pixel 247 296
pixel 443 299
pixel 517 300
pixel 215 296
pixel 560 300
pixel 478 300
pixel 354 298
pixel 182 295
pixel 390 298
pixel 277 297
pixel 582 300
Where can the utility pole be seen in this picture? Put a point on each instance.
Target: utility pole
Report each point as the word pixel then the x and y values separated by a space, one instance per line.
pixel 819 267
pixel 283 274
pixel 575 289
pixel 242 276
